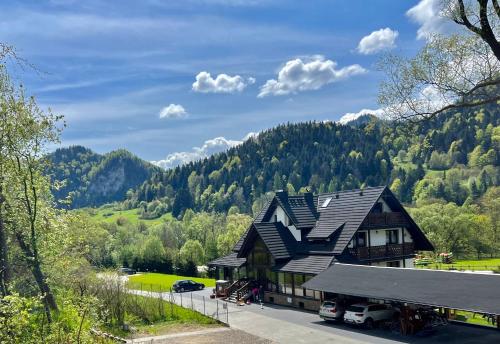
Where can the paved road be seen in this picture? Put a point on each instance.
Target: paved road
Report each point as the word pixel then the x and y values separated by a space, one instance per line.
pixel 288 325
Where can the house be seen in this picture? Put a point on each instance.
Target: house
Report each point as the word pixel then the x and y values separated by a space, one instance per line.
pixel 294 238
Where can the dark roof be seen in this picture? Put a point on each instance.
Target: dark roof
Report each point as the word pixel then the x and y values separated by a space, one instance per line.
pixel 310 264
pixel 277 238
pixel 345 213
pixel 300 209
pixel 231 260
pixel 258 218
pixel 473 292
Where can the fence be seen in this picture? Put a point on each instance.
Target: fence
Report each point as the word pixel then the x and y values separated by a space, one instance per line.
pixel 213 308
pixel 460 267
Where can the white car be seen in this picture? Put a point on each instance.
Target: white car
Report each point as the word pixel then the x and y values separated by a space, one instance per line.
pixel 329 310
pixel 368 314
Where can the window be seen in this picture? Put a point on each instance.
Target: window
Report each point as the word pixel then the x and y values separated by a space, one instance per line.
pixel 361 239
pixel 288 284
pixel 275 219
pixel 271 280
pixel 394 264
pixel 392 236
pixel 326 202
pixel 298 280
pixel 281 282
pixel 378 208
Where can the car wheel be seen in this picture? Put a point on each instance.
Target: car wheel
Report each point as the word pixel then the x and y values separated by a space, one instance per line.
pixel 369 323
pixel 200 287
pixel 181 290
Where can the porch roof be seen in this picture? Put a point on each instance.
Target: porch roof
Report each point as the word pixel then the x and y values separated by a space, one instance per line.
pixel 307 264
pixel 231 260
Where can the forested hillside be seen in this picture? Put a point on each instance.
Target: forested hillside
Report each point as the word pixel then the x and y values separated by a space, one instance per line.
pixel 453 157
pixel 81 177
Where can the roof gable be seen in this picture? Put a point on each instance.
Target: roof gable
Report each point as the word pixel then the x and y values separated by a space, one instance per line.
pixel 277 238
pixel 343 214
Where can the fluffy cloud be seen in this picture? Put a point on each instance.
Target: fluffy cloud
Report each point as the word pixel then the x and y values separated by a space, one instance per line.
pixel 382 39
pixel 223 83
pixel 173 111
pixel 298 75
pixel 427 13
pixel 352 116
pixel 209 147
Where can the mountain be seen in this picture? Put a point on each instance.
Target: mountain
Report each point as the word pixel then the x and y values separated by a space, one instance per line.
pixel 453 157
pixel 91 179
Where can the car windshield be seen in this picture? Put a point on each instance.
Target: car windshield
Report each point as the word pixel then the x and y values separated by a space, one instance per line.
pixel 328 304
pixel 357 309
pixel 190 282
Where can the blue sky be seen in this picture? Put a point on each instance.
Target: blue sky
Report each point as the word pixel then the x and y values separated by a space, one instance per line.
pixel 113 67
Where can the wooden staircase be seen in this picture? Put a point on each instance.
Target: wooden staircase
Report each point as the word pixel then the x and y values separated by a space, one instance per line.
pixel 236 290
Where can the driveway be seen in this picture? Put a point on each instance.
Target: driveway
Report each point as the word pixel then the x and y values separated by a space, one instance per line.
pixel 289 325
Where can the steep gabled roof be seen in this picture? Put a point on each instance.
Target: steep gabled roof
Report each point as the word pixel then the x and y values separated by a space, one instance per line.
pixel 258 218
pixel 277 238
pixel 300 209
pixel 352 207
pixel 343 214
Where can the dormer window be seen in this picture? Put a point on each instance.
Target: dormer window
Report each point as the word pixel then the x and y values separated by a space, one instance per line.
pixel 275 218
pixel 326 202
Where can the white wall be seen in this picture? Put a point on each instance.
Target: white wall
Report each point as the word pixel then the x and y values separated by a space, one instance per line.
pixel 283 218
pixel 378 238
pixel 407 264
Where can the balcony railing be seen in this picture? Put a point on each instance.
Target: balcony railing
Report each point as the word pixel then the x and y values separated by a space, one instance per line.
pixel 385 219
pixel 383 251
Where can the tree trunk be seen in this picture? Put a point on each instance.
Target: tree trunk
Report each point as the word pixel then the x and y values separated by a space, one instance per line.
pixel 48 297
pixel 4 264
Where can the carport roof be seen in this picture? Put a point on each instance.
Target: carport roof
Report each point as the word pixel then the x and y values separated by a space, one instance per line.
pixel 474 292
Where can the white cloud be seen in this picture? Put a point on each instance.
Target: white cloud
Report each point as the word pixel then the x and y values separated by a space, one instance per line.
pixel 173 111
pixel 298 75
pixel 352 116
pixel 379 40
pixel 223 83
pixel 209 147
pixel 427 13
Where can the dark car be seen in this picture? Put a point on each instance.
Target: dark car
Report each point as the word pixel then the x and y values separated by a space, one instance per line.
pixel 127 271
pixel 187 285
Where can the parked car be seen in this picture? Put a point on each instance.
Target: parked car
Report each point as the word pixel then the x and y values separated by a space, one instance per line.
pixel 127 271
pixel 331 310
pixel 368 314
pixel 187 285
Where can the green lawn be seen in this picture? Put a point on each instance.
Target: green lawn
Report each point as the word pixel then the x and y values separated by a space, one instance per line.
pixel 151 316
pixel 476 264
pixel 108 214
pixel 472 318
pixel 162 282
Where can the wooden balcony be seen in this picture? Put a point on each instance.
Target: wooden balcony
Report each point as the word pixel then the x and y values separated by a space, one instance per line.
pixel 385 219
pixel 383 251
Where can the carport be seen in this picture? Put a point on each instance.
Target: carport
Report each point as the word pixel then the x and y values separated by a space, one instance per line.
pixel 473 292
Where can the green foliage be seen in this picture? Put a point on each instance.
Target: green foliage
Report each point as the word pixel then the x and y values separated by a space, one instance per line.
pixel 324 157
pixel 84 178
pixel 162 282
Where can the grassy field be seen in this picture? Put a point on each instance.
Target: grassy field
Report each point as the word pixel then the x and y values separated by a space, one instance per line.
pixel 162 282
pixel 477 264
pixel 150 316
pixel 110 215
pixel 472 318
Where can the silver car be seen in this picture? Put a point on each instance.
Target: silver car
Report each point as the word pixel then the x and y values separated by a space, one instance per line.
pixel 330 310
